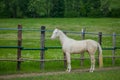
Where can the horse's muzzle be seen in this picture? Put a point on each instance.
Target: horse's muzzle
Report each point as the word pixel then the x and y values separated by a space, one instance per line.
pixel 52 38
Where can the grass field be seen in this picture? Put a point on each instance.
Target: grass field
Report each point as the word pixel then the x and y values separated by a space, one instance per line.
pixel 101 75
pixel 31 39
pixel 108 75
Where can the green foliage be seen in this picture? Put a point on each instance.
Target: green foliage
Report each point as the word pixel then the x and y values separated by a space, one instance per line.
pixel 13 8
pixel 39 8
pixel 115 12
pixel 59 8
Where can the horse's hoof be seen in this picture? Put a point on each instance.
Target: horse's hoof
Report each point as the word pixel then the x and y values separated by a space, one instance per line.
pixel 68 71
pixel 91 71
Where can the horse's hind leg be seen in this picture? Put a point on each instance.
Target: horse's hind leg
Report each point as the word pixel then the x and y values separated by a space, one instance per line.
pixel 92 57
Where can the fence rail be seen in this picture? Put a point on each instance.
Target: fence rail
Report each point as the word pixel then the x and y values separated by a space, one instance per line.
pixel 72 32
pixel 43 48
pixel 47 60
pixel 49 47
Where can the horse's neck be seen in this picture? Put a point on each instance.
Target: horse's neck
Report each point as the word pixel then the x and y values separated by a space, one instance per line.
pixel 62 37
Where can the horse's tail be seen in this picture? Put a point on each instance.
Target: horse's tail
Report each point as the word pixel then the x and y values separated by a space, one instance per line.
pixel 100 56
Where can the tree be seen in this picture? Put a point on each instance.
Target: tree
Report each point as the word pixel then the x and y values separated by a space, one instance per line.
pixel 70 8
pixel 13 8
pixel 39 8
pixel 4 8
pixel 92 7
pixel 83 12
pixel 57 9
pixel 105 7
pixel 95 8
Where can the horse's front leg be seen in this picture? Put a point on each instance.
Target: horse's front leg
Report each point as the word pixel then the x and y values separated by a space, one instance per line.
pixel 68 62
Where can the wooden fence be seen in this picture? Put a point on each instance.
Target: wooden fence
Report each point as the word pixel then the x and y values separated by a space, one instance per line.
pixel 43 48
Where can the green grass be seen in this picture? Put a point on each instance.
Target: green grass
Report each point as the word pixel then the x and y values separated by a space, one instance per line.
pixel 104 75
pixel 31 39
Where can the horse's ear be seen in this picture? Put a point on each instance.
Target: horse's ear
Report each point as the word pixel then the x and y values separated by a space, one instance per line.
pixel 56 28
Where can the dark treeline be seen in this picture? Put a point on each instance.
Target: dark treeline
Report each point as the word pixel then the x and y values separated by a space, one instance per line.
pixel 57 8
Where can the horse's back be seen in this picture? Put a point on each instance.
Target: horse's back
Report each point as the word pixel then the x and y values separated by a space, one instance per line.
pixel 91 42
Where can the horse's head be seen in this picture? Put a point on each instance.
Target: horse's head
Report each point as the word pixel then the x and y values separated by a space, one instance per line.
pixel 55 34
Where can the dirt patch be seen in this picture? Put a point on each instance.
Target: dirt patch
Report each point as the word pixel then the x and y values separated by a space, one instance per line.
pixel 3 77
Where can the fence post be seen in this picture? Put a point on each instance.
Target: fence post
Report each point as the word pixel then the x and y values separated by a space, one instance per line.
pixel 82 54
pixel 100 42
pixel 100 38
pixel 19 46
pixel 113 51
pixel 42 44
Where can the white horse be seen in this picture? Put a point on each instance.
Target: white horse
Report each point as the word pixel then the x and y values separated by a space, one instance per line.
pixel 73 46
